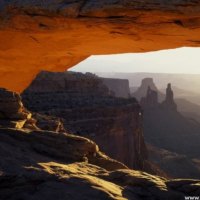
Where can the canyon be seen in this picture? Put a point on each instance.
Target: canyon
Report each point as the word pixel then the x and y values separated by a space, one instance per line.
pixel 42 164
pixel 41 157
pixel 172 138
pixel 55 35
pixel 142 136
pixel 87 107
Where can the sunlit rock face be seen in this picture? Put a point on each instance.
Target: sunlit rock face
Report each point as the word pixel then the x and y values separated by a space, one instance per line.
pixel 47 165
pixel 12 112
pixel 89 109
pixel 55 35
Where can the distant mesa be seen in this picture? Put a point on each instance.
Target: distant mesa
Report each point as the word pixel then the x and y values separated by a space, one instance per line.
pixel 150 100
pixel 120 87
pixel 146 83
pixel 163 126
pixel 76 82
pixel 142 90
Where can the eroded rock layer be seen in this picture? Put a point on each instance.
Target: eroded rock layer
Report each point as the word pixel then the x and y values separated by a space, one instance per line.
pixel 88 108
pixel 12 112
pixel 55 35
pixel 37 165
pixel 172 139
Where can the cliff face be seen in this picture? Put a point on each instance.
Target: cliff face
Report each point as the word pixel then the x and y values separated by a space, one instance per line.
pixel 12 112
pixel 37 164
pixel 143 89
pixel 172 138
pixel 88 108
pixel 55 35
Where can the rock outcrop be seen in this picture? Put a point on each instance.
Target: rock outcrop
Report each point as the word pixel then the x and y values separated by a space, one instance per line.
pixel 169 102
pixel 88 108
pixel 12 112
pixel 55 35
pixel 142 91
pixel 149 96
pixel 49 165
pixel 173 138
pixel 37 164
pixel 72 82
pixel 174 164
pixel 151 99
pixel 50 123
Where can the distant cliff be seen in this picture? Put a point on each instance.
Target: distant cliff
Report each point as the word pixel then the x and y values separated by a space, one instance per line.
pixel 174 138
pixel 90 109
pixel 142 90
pixel 119 86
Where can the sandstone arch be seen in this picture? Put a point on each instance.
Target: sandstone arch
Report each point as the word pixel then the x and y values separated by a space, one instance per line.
pixel 58 34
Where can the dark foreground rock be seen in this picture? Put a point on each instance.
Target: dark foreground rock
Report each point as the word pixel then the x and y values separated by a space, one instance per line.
pixel 12 112
pixel 47 165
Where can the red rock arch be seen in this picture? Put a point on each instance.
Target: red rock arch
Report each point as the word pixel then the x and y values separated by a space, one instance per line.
pixel 35 39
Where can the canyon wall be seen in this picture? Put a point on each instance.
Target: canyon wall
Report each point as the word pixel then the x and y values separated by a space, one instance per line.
pixel 42 164
pixel 88 108
pixel 172 139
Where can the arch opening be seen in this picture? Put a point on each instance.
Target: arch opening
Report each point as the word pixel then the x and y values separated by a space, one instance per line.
pixel 167 85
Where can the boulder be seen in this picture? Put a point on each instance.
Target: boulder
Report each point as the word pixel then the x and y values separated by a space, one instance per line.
pixel 50 123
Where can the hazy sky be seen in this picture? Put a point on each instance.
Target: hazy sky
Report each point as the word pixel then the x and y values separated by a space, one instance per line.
pixel 182 60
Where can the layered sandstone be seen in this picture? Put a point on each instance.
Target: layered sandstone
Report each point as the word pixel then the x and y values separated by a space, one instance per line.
pixel 88 108
pixel 12 112
pixel 50 123
pixel 55 35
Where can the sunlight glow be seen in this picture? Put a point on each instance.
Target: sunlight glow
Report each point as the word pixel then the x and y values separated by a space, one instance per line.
pixel 184 60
